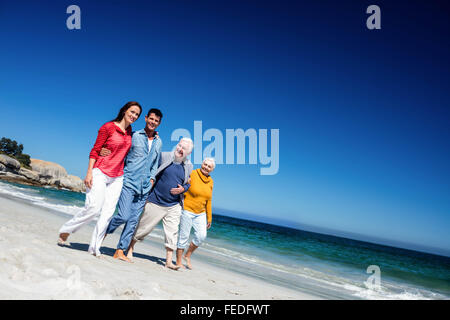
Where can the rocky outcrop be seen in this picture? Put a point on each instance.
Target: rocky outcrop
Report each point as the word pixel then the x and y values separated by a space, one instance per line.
pixel 29 174
pixel 9 163
pixel 71 182
pixel 48 170
pixel 43 173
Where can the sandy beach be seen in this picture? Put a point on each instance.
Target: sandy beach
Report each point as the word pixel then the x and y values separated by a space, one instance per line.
pixel 32 266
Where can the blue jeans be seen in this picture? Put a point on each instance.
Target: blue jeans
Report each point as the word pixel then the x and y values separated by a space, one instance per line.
pixel 130 207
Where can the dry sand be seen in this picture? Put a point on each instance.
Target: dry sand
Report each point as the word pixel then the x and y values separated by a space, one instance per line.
pixel 32 266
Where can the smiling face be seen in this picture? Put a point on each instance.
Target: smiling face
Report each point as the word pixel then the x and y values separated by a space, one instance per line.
pixel 206 168
pixel 132 114
pixel 183 149
pixel 152 121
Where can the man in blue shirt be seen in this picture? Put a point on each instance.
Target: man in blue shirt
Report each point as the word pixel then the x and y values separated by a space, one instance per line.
pixel 166 199
pixel 141 165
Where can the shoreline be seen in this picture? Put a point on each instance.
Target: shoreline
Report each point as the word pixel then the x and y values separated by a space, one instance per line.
pixel 33 267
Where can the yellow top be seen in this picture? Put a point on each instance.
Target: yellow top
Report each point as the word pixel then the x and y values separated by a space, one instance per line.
pixel 199 195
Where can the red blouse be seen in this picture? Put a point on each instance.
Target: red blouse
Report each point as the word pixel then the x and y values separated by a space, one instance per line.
pixel 114 139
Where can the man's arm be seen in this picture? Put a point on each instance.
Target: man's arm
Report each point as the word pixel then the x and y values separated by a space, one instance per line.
pixel 180 189
pixel 104 152
pixel 189 167
pixel 185 187
pixel 156 164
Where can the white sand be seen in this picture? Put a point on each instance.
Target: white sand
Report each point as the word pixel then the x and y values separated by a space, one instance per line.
pixel 32 266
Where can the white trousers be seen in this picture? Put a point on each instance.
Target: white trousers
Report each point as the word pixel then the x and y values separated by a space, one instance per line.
pixel 192 220
pixel 101 201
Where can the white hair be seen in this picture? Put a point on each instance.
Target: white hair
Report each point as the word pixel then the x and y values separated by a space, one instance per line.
pixel 211 161
pixel 189 141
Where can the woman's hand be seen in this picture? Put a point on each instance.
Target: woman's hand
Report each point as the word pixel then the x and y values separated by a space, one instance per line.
pixel 208 225
pixel 178 190
pixel 88 180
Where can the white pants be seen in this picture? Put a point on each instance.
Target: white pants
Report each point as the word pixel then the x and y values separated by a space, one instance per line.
pixel 192 220
pixel 101 201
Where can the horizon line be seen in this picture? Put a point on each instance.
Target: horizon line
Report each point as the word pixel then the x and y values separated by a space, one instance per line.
pixel 339 233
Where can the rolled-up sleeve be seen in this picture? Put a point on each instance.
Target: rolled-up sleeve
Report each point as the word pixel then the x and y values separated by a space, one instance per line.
pixel 186 187
pixel 102 136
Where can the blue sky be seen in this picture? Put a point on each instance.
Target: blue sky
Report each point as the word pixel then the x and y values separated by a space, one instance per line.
pixel 363 115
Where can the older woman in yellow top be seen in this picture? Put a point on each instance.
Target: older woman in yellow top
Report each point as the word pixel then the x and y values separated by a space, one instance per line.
pixel 197 211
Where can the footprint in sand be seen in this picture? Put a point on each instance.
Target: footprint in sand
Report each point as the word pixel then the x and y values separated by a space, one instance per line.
pixel 235 293
pixel 129 294
pixel 99 284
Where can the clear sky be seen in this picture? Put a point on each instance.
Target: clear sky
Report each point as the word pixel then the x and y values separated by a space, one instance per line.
pixel 363 115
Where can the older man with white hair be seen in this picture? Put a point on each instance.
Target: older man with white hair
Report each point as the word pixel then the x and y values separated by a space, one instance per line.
pixel 165 201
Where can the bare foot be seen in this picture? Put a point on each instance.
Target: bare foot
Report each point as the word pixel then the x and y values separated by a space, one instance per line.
pixel 172 266
pixel 180 266
pixel 121 256
pixel 63 238
pixel 188 262
pixel 98 255
pixel 95 254
pixel 130 255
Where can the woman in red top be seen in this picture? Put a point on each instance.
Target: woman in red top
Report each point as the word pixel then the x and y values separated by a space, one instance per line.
pixel 104 177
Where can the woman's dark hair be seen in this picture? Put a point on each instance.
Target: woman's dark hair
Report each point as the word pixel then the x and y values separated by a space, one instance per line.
pixel 124 109
pixel 157 113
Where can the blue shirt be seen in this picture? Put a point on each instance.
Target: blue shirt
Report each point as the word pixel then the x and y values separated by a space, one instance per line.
pixel 170 178
pixel 141 164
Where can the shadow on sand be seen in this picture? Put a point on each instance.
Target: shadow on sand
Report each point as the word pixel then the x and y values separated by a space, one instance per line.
pixel 107 251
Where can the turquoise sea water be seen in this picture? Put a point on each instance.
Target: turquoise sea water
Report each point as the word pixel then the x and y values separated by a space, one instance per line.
pixel 324 265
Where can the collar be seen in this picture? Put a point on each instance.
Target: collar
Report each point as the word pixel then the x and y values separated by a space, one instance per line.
pixel 142 131
pixel 205 179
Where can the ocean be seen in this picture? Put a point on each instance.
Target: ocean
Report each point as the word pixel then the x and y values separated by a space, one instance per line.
pixel 323 265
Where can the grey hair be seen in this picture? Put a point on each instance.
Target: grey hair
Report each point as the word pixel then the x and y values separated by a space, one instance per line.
pixel 210 160
pixel 188 140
